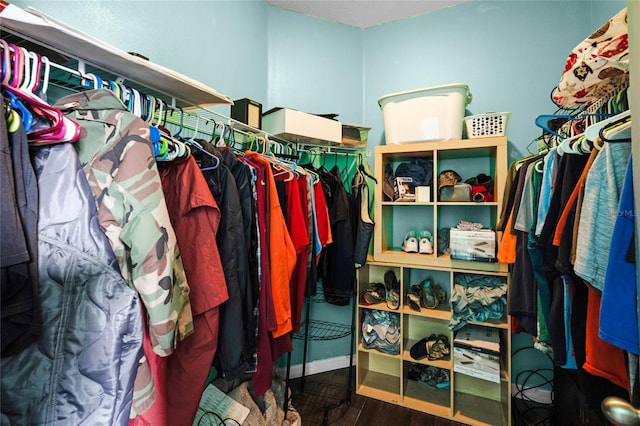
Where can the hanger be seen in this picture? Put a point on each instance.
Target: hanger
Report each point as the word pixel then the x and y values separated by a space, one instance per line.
pixel 196 144
pixel 62 129
pixel 44 61
pixel 26 70
pixel 619 128
pixel 91 77
pixel 36 71
pixel 155 136
pixel 572 145
pixel 363 169
pixel 213 133
pixel 6 62
pixel 543 121
pixel 32 64
pixel 150 108
pixel 17 70
pixel 232 142
pixel 345 169
pixel 288 166
pixel 265 144
pixel 18 107
pixel 124 93
pixel 593 131
pixel 220 141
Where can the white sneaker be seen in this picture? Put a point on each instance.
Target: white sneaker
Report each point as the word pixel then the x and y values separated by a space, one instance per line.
pixel 410 243
pixel 426 243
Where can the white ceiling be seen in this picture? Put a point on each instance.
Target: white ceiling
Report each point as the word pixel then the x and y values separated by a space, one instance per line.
pixel 363 13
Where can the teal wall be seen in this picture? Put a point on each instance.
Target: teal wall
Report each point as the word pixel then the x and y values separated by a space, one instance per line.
pixel 314 65
pixel 510 53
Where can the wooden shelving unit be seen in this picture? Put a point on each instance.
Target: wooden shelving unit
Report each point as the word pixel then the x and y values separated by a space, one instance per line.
pixel 382 376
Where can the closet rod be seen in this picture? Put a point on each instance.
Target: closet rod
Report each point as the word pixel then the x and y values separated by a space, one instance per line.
pixel 595 106
pixel 248 132
pixel 81 72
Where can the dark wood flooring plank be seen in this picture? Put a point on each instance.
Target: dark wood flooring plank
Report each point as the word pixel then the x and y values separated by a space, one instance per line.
pixel 362 411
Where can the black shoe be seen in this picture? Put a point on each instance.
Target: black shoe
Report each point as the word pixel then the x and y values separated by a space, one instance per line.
pixel 414 297
pixel 392 290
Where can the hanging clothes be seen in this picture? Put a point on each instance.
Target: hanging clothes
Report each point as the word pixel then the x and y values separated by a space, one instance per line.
pixel 81 370
pixel 523 300
pixel 282 253
pixel 337 260
pixel 570 236
pixel 21 312
pixel 117 157
pixel 364 224
pixel 619 323
pixel 602 193
pixel 242 176
pixel 303 249
pixel 196 218
pixel 230 358
pixel 266 316
pixel 295 214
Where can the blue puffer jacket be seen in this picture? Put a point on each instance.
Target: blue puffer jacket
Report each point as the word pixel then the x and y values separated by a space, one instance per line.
pixel 81 369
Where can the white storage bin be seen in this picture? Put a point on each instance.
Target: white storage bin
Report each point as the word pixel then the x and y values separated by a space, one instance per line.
pixel 429 114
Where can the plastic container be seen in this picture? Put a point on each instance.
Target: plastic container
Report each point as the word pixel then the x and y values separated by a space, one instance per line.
pixel 421 115
pixel 486 125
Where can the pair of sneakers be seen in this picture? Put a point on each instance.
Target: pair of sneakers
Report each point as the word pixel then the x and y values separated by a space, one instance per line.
pixel 418 242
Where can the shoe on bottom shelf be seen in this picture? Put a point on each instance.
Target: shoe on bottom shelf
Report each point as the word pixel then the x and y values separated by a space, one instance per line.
pixel 426 243
pixel 434 377
pixel 410 243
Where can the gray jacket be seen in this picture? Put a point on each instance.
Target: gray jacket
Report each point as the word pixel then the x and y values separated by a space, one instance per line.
pixel 81 369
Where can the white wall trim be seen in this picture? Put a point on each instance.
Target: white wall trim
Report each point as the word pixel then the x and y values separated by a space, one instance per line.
pixel 315 367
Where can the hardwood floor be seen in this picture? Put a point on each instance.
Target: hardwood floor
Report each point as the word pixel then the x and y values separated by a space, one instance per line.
pixel 326 390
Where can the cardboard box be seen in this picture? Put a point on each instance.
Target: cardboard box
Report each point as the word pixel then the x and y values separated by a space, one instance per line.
pixel 476 352
pixel 479 245
pixel 404 189
pixel 300 127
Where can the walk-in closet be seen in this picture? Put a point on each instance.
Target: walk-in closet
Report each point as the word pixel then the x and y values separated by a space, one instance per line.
pixel 296 212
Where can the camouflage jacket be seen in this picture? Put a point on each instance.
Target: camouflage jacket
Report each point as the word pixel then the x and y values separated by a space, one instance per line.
pixel 116 154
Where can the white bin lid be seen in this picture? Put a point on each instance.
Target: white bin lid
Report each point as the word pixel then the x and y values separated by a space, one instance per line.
pixel 427 91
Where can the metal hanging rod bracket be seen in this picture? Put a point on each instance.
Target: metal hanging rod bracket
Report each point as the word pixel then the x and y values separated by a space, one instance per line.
pixel 82 68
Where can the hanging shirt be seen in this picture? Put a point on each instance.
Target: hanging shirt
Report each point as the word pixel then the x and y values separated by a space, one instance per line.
pixel 116 154
pixel 262 377
pixel 523 297
pixel 196 216
pixel 550 169
pixel 569 209
pixel 243 180
pixel 599 212
pixel 282 254
pixel 21 310
pixel 602 358
pixel 81 371
pixel 230 239
pixel 619 320
pixel 296 220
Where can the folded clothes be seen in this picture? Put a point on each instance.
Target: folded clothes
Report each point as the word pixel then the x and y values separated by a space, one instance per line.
pixel 477 298
pixel 381 331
